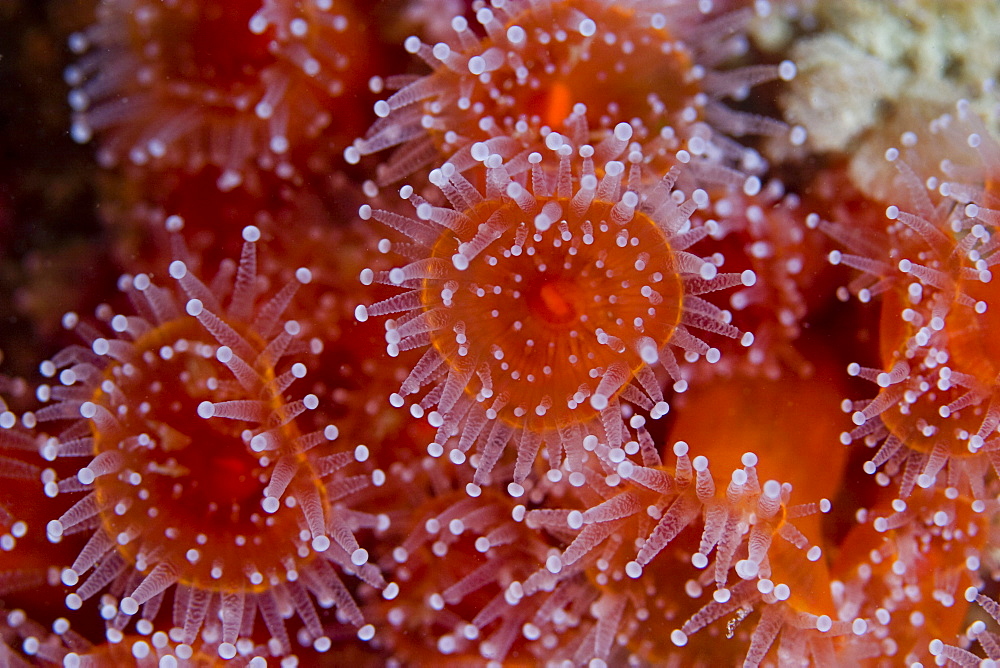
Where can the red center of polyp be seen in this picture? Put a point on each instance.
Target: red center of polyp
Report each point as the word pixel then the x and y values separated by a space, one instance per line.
pixel 551 301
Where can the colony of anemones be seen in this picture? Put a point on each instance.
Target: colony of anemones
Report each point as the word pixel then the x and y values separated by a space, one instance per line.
pixel 581 353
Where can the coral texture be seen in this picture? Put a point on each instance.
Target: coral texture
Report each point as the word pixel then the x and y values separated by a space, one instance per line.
pixel 507 332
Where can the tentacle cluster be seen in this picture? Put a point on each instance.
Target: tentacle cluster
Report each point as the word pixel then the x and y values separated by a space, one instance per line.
pixel 454 558
pixel 638 510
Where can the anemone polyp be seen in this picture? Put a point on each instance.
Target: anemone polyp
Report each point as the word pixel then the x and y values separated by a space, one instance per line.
pixel 183 83
pixel 619 542
pixel 572 67
pixel 202 473
pixel 545 300
pixel 938 402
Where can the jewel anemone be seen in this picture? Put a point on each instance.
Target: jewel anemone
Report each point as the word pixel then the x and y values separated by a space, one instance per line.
pixel 545 301
pixel 204 476
pixel 235 85
pixel 938 404
pixel 572 67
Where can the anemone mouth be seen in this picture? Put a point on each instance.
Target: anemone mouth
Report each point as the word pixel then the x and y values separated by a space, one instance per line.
pixel 553 300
